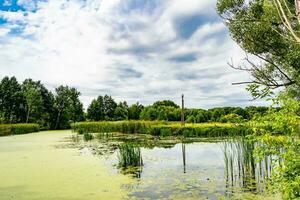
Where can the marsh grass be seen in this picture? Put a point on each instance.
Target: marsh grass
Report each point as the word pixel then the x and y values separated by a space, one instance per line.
pixel 130 159
pixel 17 129
pixel 162 128
pixel 88 136
pixel 242 171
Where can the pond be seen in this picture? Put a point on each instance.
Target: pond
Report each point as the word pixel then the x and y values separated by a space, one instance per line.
pixel 170 168
pixel 54 165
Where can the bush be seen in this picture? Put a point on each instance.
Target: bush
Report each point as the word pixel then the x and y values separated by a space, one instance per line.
pixel 17 129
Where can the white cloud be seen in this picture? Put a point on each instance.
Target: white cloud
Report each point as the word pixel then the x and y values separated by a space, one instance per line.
pixel 97 47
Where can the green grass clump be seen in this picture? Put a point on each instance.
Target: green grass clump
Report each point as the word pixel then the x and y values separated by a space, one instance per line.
pixel 88 136
pixel 129 156
pixel 162 128
pixel 17 129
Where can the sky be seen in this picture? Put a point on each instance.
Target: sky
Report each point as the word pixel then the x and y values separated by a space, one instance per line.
pixel 133 50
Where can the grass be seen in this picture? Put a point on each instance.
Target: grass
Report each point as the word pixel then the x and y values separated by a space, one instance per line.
pixel 17 129
pixel 162 128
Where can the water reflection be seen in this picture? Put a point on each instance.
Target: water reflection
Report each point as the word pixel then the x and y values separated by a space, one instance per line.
pixel 130 159
pixel 242 171
pixel 166 168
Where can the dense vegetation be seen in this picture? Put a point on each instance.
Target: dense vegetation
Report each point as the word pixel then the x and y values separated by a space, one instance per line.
pixel 16 129
pixel 162 128
pixel 269 30
pixel 32 102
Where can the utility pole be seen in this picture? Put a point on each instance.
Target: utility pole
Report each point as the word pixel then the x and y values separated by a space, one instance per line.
pixel 182 110
pixel 182 124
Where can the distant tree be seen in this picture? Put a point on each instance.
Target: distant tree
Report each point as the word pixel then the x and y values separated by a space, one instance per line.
pixel 75 109
pixel 121 111
pixel 109 106
pixel 191 119
pixel 68 107
pixel 33 98
pixel 216 113
pixel 95 111
pixel 165 103
pixel 149 113
pixel 134 111
pixel 231 118
pixel 44 115
pixel 12 103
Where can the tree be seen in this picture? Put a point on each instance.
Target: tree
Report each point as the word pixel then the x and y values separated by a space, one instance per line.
pixel 95 110
pixel 12 103
pixel 165 103
pixel 109 106
pixel 134 111
pixel 264 30
pixel 68 107
pixel 43 112
pixel 121 111
pixel 33 98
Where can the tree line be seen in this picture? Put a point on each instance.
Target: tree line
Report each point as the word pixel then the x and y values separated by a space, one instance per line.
pixel 31 102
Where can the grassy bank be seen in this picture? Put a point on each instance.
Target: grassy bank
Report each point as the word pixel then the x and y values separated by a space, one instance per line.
pixel 16 129
pixel 160 128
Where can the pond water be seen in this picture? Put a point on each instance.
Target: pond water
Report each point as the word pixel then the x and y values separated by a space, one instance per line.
pixel 51 165
pixel 171 168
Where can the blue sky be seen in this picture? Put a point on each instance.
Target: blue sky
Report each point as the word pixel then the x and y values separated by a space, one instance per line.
pixel 134 50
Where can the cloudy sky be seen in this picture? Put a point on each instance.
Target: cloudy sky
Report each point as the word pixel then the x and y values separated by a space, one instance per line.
pixel 134 50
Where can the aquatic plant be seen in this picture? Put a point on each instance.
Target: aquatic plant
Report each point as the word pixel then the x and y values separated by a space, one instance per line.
pixel 130 159
pixel 88 136
pixel 242 171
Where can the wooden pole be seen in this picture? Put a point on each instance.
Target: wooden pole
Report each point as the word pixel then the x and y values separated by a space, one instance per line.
pixel 182 110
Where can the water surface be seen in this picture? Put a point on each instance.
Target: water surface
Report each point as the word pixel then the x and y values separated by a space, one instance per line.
pixel 51 165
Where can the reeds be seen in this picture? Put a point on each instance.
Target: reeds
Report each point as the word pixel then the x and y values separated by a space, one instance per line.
pixel 129 156
pixel 242 171
pixel 130 159
pixel 88 136
pixel 162 128
pixel 16 129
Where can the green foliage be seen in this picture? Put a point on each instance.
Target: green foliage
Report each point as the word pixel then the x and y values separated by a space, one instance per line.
pixel 231 118
pixel 167 103
pixel 12 103
pixel 160 128
pixel 17 129
pixel 104 108
pixel 260 30
pixel 279 132
pixel 68 107
pixel 88 136
pixel 129 156
pixel 33 98
pixel 109 127
pixel 134 111
pixel 121 111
